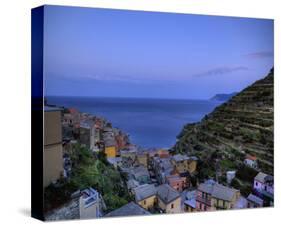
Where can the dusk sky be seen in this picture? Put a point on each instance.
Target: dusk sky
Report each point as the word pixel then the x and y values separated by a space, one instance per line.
pixel 119 53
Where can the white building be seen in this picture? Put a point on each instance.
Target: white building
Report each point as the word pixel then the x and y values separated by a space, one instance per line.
pixel 251 161
pixel 263 183
pixel 89 204
pixel 230 176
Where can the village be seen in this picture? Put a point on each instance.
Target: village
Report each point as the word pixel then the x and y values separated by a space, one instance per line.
pixel 157 179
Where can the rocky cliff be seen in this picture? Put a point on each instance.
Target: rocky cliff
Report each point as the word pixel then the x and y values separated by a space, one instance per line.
pixel 243 125
pixel 223 97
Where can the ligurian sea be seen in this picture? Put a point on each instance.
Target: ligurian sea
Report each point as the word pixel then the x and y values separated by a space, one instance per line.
pixel 151 123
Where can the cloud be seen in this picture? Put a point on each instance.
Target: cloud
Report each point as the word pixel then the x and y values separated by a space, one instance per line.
pixel 220 71
pixel 259 55
pixel 112 78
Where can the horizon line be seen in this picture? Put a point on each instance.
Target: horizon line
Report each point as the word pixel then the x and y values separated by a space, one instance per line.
pixel 123 97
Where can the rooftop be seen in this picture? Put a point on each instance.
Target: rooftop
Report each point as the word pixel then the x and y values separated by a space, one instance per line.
pixel 166 193
pixel 162 153
pixel 129 151
pixel 190 202
pixel 87 123
pixel 144 191
pixel 109 142
pixel 180 157
pixel 114 160
pixel 262 177
pixel 89 196
pixel 218 191
pixel 174 178
pixel 108 130
pixel 128 210
pixel 164 163
pixel 132 183
pixel 140 171
pixel 73 111
pixel 50 108
pixel 206 187
pixel 223 192
pixel 255 199
pixel 251 157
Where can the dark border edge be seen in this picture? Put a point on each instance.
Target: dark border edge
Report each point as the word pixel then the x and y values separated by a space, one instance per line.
pixel 37 104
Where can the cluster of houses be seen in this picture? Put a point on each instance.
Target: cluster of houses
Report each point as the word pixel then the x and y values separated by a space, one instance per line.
pixel 159 181
pixel 93 132
pixel 208 196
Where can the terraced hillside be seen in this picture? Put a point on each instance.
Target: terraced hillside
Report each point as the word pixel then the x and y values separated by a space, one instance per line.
pixel 243 125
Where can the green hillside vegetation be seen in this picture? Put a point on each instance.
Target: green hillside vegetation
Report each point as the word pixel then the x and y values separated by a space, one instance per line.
pixel 243 125
pixel 90 171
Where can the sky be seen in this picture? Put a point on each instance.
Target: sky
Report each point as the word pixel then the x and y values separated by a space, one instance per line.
pixel 120 53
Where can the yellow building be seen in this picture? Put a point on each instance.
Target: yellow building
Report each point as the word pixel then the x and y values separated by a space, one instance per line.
pixel 224 198
pixel 145 195
pixel 214 196
pixel 168 199
pixel 143 159
pixel 189 209
pixel 110 151
pixel 52 154
pixel 184 164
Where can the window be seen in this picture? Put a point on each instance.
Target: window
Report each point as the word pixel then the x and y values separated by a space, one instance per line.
pixel 205 207
pixel 256 183
pixel 144 202
pixel 172 206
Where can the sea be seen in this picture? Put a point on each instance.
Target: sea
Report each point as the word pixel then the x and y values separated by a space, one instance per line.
pixel 150 123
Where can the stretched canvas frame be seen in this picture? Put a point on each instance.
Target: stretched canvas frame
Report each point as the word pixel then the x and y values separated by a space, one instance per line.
pixel 237 174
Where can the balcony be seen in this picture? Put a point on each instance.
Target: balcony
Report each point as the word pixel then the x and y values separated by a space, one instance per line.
pixel 206 201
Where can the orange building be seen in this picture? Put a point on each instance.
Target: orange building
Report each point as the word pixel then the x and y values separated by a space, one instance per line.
pixel 162 153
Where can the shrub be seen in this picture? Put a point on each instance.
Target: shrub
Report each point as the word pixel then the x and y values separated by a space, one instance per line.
pixel 246 173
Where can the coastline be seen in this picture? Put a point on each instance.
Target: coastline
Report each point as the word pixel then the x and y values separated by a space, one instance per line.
pixel 151 123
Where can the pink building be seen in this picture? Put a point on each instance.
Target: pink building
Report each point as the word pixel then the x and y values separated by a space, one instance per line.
pixel 204 197
pixel 213 196
pixel 177 182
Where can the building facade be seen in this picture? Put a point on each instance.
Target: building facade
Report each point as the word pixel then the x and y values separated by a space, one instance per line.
pixel 88 134
pixel 213 196
pixel 168 199
pixel 177 182
pixel 184 163
pixel 145 196
pixel 89 204
pixel 264 183
pixel 53 155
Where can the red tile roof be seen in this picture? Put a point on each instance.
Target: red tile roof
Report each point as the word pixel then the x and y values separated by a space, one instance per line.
pixel 251 157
